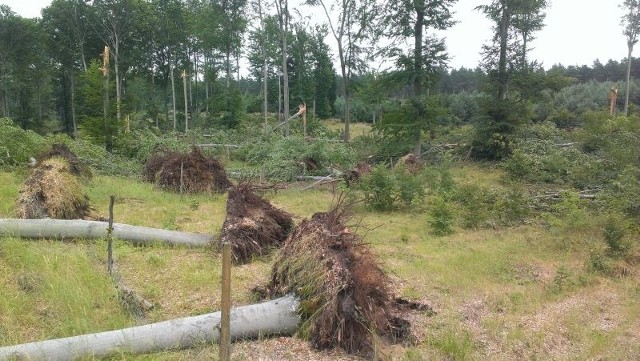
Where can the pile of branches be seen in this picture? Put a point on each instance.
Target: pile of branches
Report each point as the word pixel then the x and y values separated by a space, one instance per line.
pixel 253 226
pixel 345 296
pixel 188 172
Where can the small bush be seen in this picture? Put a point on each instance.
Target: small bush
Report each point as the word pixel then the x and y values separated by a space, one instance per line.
pixel 477 204
pixel 441 217
pixel 378 189
pixel 385 190
pixel 614 231
pixel 18 145
pixel 512 207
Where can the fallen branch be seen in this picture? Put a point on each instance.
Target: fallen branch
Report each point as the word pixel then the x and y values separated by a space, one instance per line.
pixel 278 316
pixel 68 229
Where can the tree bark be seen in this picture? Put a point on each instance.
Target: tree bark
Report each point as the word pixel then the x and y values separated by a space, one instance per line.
pixel 278 316
pixel 417 69
pixel 65 229
pixel 502 61
pixel 173 94
pixel 626 93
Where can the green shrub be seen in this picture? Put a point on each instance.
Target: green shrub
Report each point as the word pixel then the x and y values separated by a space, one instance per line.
pixel 17 146
pixel 98 158
pixel 614 231
pixel 409 188
pixel 386 189
pixel 512 206
pixel 283 159
pixel 569 214
pixel 378 189
pixel 441 217
pixel 477 203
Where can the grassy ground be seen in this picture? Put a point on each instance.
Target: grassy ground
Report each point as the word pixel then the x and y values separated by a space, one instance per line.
pixel 502 293
pixel 355 129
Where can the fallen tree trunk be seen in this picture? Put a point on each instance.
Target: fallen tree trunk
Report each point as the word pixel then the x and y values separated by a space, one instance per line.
pixel 65 229
pixel 278 316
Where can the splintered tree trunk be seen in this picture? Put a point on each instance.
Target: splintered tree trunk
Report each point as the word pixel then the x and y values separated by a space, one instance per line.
pixel 278 316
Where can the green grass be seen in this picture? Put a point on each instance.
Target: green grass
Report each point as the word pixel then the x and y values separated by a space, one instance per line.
pixel 519 292
pixel 53 290
pixel 355 129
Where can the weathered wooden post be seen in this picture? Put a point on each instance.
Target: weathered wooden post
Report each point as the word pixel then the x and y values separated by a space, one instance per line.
pixel 225 310
pixel 112 200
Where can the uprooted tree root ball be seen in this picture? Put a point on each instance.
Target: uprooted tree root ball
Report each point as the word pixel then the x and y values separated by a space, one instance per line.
pixel 52 191
pixel 76 167
pixel 191 172
pixel 252 226
pixel 345 297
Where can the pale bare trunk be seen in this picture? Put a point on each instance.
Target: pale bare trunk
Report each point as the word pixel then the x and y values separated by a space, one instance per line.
pixel 626 95
pixel 173 95
pixel 73 106
pixel 279 316
pixel 80 229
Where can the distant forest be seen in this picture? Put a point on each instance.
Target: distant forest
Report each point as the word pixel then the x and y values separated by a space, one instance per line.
pixel 100 68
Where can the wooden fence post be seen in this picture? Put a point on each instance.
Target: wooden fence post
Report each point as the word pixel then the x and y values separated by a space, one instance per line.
pixel 112 200
pixel 225 311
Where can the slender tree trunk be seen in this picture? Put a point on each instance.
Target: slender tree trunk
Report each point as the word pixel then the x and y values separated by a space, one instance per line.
pixel 345 86
pixel 73 106
pixel 186 105
pixel 502 62
pixel 418 74
pixel 628 87
pixel 283 13
pixel 285 84
pixel 173 95
pixel 116 68
pixel 263 53
pixel 195 81
pixel 107 123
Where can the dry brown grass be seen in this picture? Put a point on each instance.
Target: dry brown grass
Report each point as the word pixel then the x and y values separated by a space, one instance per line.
pixel 53 191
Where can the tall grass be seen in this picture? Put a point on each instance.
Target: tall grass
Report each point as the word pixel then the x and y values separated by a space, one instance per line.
pixel 54 290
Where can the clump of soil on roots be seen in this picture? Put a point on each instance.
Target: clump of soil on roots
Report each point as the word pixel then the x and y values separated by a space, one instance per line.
pixel 53 191
pixel 190 172
pixel 345 296
pixel 253 226
pixel 411 162
pixel 76 167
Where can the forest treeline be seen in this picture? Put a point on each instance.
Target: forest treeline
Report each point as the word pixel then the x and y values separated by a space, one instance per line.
pixel 100 68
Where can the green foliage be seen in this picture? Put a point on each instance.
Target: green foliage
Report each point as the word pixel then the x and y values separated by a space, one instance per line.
pixel 512 206
pixel 18 145
pixel 476 203
pixel 441 217
pixel 385 190
pixel 623 193
pixel 400 124
pixel 569 214
pixel 98 158
pixel 562 281
pixel 141 144
pixel 283 159
pixel 493 138
pixel 614 231
pixel 378 189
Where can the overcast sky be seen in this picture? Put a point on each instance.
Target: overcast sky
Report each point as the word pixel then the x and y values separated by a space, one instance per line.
pixel 577 32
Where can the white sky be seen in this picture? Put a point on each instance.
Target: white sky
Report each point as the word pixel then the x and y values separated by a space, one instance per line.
pixel 577 32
